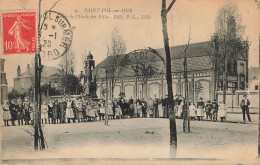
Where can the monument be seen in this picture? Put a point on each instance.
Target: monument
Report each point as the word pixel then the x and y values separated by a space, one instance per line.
pixel 88 78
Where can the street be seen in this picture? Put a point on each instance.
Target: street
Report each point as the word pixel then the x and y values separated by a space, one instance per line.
pixel 134 138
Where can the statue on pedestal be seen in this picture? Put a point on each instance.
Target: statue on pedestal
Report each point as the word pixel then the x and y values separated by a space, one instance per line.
pixel 88 79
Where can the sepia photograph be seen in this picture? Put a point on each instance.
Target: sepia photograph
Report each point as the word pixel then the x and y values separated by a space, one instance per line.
pixel 129 82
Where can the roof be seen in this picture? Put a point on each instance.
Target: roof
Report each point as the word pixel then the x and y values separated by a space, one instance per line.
pixel 177 52
pixel 46 71
pixel 253 73
pixel 198 59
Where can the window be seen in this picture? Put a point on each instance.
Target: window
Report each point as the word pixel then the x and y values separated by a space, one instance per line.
pixel 256 87
pixel 232 86
pixel 220 85
pixel 242 85
pixel 242 68
pixel 55 84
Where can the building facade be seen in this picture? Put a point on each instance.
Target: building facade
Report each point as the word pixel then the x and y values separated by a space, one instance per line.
pixel 50 75
pixel 4 84
pixel 202 78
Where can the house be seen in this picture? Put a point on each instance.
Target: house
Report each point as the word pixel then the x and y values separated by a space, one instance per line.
pixel 4 84
pixel 50 75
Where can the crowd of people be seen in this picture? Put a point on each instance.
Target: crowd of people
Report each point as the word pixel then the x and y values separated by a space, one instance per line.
pixel 69 110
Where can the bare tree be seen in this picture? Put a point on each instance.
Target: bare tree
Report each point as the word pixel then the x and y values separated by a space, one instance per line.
pixel 67 67
pixel 114 66
pixel 173 130
pixel 186 119
pixel 38 133
pixel 228 42
pixel 144 72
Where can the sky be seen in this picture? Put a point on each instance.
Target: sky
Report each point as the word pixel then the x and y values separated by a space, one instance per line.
pixel 94 34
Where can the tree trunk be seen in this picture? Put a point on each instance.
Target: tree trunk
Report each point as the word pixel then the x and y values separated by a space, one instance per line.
pixel 173 131
pixel 225 81
pixel 106 103
pixel 36 122
pixel 40 103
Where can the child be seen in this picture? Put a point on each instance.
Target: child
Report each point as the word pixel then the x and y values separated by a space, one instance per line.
pixel 69 112
pixel 118 112
pixel 192 109
pixel 139 109
pixel 6 113
pixel 208 109
pixel 222 112
pixel 44 112
pixel 214 110
pixel 26 106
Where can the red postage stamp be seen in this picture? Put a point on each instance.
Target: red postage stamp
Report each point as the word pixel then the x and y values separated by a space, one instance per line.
pixel 19 32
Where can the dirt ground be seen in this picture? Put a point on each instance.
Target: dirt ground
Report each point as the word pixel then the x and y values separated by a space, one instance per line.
pixel 134 138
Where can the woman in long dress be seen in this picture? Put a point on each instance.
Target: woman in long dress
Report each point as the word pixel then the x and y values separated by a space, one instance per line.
pixel 6 113
pixel 160 108
pixel 200 109
pixel 50 111
pixel 110 108
pixel 20 108
pixel 150 108
pixel 69 112
pixel 180 108
pixel 79 109
pixel 55 112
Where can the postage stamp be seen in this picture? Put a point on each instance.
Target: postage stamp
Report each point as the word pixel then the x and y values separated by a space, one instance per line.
pixel 19 32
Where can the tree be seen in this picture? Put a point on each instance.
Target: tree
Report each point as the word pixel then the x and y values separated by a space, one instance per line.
pixel 67 67
pixel 14 94
pixel 74 86
pixel 228 42
pixel 114 63
pixel 186 119
pixel 173 131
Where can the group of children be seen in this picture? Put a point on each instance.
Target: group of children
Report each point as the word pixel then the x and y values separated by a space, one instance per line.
pixel 210 110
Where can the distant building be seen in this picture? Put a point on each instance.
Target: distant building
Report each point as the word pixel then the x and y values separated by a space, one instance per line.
pixel 50 75
pixel 253 78
pixel 202 78
pixel 4 84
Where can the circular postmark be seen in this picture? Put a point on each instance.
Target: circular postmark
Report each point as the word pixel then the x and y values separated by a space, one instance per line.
pixel 56 36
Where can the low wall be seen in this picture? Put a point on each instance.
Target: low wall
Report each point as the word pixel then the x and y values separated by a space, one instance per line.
pixel 233 100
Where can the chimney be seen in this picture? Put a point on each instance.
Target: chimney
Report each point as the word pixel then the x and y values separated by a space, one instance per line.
pixel 28 68
pixel 18 71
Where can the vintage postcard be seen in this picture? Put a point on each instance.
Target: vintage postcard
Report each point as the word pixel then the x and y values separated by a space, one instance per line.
pixel 129 82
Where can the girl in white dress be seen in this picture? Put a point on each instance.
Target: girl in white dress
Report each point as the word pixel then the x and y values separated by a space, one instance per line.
pixel 44 112
pixel 222 111
pixel 192 109
pixel 69 112
pixel 6 113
